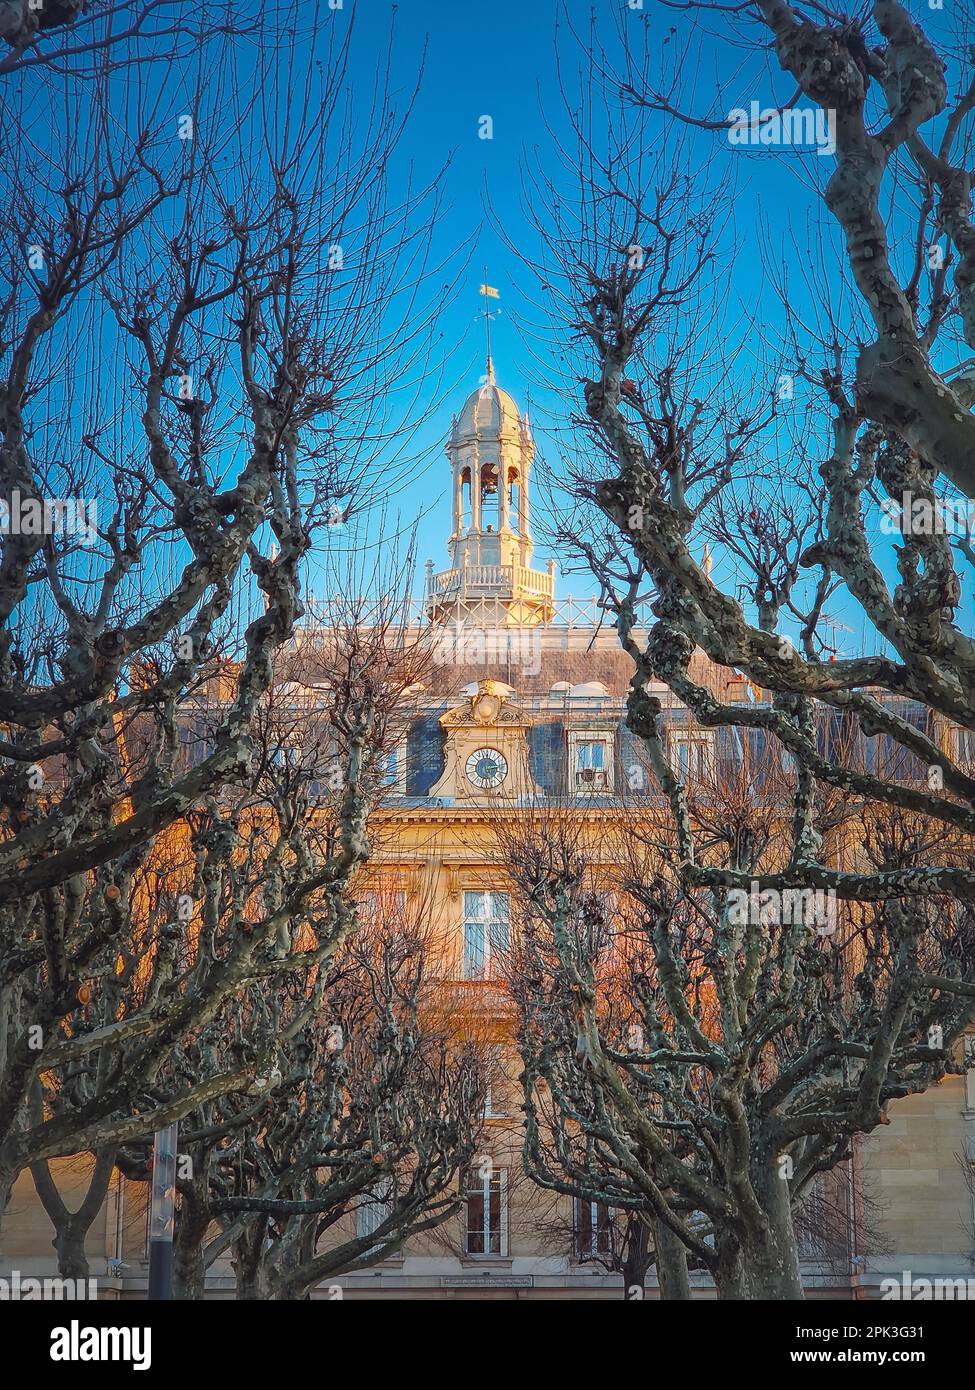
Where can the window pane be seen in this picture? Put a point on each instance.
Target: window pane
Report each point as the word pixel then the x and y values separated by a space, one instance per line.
pixel 373 1210
pixel 473 950
pixel 475 1221
pixel 475 906
pixel 500 940
pixel 590 756
pixel 602 1228
pixel 583 1226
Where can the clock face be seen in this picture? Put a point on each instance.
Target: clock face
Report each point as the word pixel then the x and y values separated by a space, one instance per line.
pixel 486 768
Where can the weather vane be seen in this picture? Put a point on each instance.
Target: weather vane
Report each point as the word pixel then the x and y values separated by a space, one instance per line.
pixel 488 292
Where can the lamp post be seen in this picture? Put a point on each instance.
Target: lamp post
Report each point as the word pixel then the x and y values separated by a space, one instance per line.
pixel 162 1213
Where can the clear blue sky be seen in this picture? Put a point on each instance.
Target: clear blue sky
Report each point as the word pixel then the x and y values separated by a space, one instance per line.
pixel 498 59
pixel 482 59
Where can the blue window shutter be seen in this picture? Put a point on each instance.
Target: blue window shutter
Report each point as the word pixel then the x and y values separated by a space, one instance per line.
pixel 903 765
pixel 425 744
pixel 758 757
pixel 729 746
pixel 195 740
pixel 546 754
pixel 634 775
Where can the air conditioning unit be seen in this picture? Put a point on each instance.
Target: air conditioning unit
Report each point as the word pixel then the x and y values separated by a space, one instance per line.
pixel 592 778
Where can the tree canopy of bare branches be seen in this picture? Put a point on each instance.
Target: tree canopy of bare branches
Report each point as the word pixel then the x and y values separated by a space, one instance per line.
pixel 210 294
pixel 761 482
pixel 702 1057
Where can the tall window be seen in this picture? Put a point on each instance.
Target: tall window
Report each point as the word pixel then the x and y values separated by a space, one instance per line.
pixel 593 1229
pixel 496 1084
pixel 968 1057
pixel 383 905
pixel 487 934
pixel 486 1207
pixel 373 1209
pixel 196 741
pixel 964 750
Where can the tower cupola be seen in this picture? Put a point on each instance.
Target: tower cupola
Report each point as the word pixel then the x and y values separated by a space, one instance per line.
pixel 491 451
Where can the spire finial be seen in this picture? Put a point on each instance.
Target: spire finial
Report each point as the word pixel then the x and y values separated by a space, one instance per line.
pixel 489 292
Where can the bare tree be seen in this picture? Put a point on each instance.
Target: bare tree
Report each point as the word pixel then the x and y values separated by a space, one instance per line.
pixel 249 895
pixel 700 1056
pixel 694 481
pixel 377 1112
pixel 71 1227
pixel 589 1233
pixel 27 28
pixel 82 35
pixel 202 316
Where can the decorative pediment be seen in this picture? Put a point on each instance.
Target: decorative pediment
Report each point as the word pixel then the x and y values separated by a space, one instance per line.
pixel 486 757
pixel 489 706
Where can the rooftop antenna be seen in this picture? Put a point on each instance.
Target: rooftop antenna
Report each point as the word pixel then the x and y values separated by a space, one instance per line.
pixel 488 292
pixel 834 626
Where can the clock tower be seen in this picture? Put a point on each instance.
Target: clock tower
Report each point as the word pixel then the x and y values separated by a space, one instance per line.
pixel 491 582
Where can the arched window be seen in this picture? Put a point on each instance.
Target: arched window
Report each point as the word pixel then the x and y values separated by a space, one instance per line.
pixel 514 500
pixel 464 502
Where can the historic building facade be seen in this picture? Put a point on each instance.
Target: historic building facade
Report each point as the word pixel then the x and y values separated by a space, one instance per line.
pixel 525 704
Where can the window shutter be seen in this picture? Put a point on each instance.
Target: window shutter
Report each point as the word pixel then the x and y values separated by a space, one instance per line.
pixel 759 770
pixel 546 752
pixel 424 755
pixel 634 775
pixel 897 762
pixel 728 751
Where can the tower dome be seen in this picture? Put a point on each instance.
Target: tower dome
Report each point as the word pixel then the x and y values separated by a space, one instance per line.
pixel 488 412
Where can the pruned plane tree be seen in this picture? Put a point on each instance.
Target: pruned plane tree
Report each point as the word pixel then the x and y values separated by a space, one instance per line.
pixel 202 309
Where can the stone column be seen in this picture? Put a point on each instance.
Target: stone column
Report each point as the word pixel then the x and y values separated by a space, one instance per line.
pixel 476 490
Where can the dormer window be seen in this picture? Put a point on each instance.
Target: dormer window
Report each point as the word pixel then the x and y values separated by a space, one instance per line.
pixel 591 764
pixel 591 761
pixel 692 752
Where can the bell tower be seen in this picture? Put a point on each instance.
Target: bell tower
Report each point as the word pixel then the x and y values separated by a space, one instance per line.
pixel 491 581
